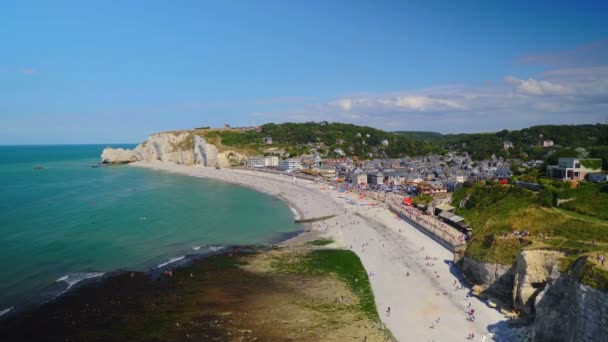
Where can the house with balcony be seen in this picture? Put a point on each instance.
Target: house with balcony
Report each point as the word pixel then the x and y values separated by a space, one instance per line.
pixel 256 162
pixel 290 165
pixel 574 168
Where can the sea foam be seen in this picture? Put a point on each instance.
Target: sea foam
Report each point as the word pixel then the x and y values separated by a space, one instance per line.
pixel 172 260
pixel 5 311
pixel 74 278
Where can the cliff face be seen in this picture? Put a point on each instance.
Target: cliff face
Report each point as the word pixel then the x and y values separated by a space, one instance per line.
pixel 498 279
pixel 570 311
pixel 183 147
pixel 562 308
pixel 531 273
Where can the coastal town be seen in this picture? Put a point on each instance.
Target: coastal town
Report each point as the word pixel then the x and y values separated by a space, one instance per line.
pixel 248 171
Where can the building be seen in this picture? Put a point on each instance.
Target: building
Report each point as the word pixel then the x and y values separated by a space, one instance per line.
pixel 271 161
pixel 502 172
pixel 507 145
pixel 267 140
pixel 574 168
pixel 376 178
pixel 261 161
pixel 547 143
pixel 290 165
pixel 359 177
pixel 256 162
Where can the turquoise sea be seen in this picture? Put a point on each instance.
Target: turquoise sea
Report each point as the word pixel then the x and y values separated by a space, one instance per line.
pixel 69 221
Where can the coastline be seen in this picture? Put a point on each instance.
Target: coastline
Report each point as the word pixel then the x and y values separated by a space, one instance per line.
pixel 409 272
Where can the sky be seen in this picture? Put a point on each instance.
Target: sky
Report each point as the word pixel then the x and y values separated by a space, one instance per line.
pixel 117 71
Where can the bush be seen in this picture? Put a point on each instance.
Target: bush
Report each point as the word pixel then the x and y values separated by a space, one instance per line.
pixel 594 276
pixel 546 198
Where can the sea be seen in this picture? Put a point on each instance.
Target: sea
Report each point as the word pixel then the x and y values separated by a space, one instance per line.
pixel 64 218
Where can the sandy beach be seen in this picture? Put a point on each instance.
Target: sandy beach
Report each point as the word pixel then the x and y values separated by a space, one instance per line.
pixel 409 272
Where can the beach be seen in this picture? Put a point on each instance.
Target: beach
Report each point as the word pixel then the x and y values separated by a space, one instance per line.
pixel 409 272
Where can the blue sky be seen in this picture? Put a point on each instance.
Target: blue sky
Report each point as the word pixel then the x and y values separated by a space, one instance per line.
pixel 108 72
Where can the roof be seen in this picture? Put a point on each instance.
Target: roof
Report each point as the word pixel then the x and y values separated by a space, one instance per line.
pixel 456 218
pixel 446 214
pixel 445 207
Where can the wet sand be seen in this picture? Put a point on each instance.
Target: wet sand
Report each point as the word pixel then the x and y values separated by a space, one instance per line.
pixel 235 296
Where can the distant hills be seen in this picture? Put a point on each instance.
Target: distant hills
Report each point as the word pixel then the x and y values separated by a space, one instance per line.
pixel 335 139
pixel 421 135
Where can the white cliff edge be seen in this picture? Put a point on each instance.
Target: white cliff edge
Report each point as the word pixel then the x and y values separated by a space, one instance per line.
pixel 185 147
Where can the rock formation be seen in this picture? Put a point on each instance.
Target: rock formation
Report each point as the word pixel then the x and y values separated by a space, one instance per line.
pixel 531 273
pixel 560 307
pixel 180 147
pixel 498 279
pixel 570 311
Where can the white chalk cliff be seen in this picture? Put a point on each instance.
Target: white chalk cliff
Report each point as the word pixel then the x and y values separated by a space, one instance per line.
pixel 181 147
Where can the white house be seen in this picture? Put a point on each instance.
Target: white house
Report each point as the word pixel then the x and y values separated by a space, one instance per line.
pixel 339 151
pixel 547 143
pixel 271 161
pixel 507 145
pixel 574 168
pixel 290 165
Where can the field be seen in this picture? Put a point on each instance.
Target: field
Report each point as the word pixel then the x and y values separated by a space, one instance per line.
pixel 588 199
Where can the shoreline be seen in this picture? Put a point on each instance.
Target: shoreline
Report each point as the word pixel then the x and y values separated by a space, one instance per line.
pixel 69 282
pixel 410 273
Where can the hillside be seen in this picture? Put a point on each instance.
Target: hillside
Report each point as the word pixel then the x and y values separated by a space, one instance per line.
pixel 577 228
pixel 527 142
pixel 322 138
pixel 421 135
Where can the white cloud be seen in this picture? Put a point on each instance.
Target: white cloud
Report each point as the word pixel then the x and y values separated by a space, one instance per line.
pixel 564 96
pixel 537 87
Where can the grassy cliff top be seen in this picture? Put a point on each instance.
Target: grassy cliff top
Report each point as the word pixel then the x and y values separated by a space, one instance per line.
pixel 578 227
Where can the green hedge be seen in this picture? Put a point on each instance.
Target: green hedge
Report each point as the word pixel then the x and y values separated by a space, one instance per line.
pixel 592 163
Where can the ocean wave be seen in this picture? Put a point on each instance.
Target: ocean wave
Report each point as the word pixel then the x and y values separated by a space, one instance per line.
pixel 216 248
pixel 196 248
pixel 74 278
pixel 295 213
pixel 5 311
pixel 172 260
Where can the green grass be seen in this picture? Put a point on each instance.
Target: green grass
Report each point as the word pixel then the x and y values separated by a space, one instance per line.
pixel 594 276
pixel 580 216
pixel 321 242
pixel 588 200
pixel 342 263
pixel 592 163
pixel 494 210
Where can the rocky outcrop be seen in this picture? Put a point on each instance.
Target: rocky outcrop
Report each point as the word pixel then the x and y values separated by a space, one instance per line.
pixel 531 273
pixel 496 278
pixel 559 306
pixel 117 156
pixel 181 147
